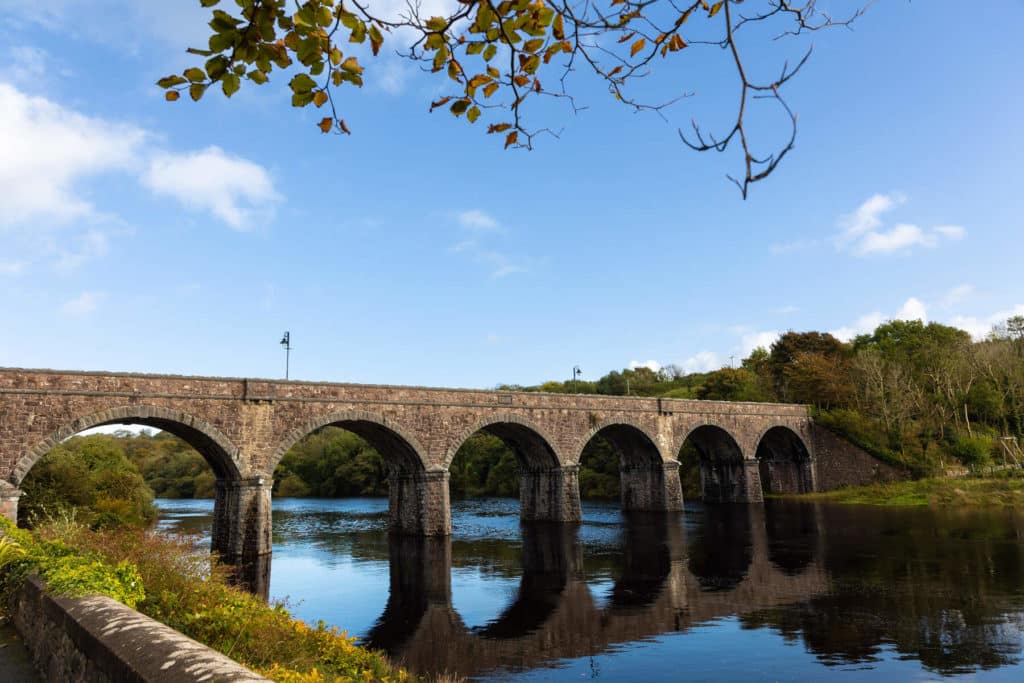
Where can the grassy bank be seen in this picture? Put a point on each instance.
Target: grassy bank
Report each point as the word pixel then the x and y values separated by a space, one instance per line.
pixel 976 491
pixel 166 579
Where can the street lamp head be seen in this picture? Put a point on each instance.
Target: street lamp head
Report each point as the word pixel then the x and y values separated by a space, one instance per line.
pixel 286 339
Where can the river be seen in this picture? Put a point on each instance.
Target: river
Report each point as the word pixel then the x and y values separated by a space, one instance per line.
pixel 780 592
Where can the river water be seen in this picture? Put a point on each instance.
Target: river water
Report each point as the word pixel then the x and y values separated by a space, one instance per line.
pixel 780 592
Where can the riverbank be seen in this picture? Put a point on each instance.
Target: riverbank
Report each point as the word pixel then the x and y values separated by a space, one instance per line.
pixel 166 579
pixel 975 491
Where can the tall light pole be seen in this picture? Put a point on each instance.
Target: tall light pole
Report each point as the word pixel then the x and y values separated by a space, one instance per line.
pixel 286 342
pixel 576 372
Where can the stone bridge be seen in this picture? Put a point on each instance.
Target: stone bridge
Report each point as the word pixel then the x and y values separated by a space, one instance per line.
pixel 243 427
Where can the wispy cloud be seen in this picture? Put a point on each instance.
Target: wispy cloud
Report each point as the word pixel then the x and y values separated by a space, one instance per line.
pixel 12 267
pixel 478 248
pixel 862 231
pixel 89 245
pixel 958 295
pixel 475 219
pixel 83 304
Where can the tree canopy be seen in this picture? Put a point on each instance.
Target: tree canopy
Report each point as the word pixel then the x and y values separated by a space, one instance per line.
pixel 499 58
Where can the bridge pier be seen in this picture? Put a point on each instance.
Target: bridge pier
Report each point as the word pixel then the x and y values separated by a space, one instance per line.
pixel 753 491
pixel 551 495
pixel 420 503
pixel 9 496
pixel 653 487
pixel 241 530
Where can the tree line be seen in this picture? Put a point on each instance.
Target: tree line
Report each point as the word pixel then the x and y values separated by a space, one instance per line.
pixel 923 396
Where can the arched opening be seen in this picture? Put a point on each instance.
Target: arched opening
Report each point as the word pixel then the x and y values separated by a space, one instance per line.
pixel 621 461
pixel 504 458
pixel 112 465
pixel 784 462
pixel 355 455
pixel 712 457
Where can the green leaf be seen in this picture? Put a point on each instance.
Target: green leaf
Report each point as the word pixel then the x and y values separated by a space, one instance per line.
pixel 230 84
pixel 459 107
pixel 195 75
pixel 208 3
pixel 473 114
pixel 196 91
pixel 489 52
pixel 302 83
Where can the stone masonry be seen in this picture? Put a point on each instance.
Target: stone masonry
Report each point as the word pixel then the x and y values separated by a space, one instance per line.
pixel 243 427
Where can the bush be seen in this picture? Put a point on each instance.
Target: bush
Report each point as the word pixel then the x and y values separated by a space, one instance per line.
pixel 973 451
pixel 191 594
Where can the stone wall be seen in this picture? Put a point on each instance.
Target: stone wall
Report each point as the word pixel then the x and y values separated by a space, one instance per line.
pixel 99 640
pixel 840 463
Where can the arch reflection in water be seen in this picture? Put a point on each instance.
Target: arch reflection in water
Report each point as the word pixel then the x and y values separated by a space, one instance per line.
pixel 554 614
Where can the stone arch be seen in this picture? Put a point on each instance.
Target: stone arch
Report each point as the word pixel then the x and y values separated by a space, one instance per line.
pixel 647 480
pixel 722 465
pixel 222 455
pixel 534 447
pixel 548 484
pixel 784 461
pixel 633 442
pixel 401 450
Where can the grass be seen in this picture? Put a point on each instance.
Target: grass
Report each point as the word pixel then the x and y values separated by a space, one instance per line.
pixel 973 491
pixel 183 590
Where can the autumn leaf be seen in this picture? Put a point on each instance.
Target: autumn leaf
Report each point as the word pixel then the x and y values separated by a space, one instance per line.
pixel 637 46
pixel 511 139
pixel 326 124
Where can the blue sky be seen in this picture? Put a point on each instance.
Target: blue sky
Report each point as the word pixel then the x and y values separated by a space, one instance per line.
pixel 147 236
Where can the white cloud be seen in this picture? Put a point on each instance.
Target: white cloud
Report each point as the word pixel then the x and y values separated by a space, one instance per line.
pixel 754 340
pixel 900 237
pixel 787 310
pixel 862 231
pixel 48 151
pixel 238 191
pixel 912 309
pixel 865 324
pixel 979 327
pixel 83 304
pixel 475 219
pixel 649 364
pixel 705 361
pixel 958 294
pixel 867 217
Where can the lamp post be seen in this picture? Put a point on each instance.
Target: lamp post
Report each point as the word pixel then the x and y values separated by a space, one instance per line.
pixel 576 372
pixel 286 342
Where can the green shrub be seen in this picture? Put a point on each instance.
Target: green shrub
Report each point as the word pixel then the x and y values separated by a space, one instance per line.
pixel 975 451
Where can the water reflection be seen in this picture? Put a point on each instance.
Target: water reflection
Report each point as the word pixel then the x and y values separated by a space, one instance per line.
pixel 868 592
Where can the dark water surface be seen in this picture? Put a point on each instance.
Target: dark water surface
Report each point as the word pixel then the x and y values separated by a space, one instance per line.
pixel 780 592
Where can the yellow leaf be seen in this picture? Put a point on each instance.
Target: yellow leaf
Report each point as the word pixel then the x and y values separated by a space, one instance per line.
pixel 320 98
pixel 511 139
pixel 637 46
pixel 344 128
pixel 352 66
pixel 714 8
pixel 326 124
pixel 489 89
pixel 171 95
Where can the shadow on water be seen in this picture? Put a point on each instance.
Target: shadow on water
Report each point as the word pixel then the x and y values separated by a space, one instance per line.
pixel 885 592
